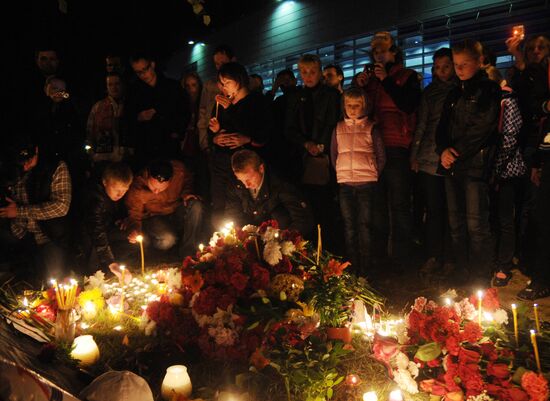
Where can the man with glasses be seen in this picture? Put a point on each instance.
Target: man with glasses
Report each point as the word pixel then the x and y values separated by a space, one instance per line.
pixel 157 111
pixel 163 209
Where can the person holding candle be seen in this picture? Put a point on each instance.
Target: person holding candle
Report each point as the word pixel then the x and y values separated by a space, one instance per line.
pixel 163 208
pixel 103 235
pixel 243 121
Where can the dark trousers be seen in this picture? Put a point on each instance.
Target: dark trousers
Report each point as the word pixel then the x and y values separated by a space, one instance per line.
pixel 356 206
pixel 468 205
pixel 508 201
pixel 432 188
pixel 541 271
pixel 221 176
pixel 324 207
pixel 183 227
pixel 393 217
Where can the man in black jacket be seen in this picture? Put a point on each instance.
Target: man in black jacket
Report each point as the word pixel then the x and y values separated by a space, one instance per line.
pixel 103 236
pixel 260 195
pixel 157 110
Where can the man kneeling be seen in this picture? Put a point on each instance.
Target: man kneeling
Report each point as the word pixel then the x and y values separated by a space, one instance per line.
pixel 162 207
pixel 259 195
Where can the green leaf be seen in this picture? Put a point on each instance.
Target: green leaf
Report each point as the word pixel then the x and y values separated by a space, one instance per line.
pixel 282 296
pixel 339 380
pixel 206 19
pixel 516 378
pixel 253 325
pixel 428 352
pixel 197 8
pixel 265 300
pixel 330 392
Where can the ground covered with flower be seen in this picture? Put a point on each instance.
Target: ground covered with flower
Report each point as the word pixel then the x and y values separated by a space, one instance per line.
pixel 268 316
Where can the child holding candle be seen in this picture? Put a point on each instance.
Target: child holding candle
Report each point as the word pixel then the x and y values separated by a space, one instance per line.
pixel 357 153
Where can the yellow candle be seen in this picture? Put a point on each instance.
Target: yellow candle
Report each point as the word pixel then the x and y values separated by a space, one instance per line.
pixel 535 349
pixel 319 247
pixel 536 310
pixel 139 239
pixel 515 313
pixel 217 106
pixel 479 299
pixel 257 247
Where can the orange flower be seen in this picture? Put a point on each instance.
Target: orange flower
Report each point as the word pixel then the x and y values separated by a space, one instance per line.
pixel 334 268
pixel 194 282
pixel 258 360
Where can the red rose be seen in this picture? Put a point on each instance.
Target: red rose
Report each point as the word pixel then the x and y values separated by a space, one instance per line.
pixel 466 356
pixel 433 387
pixel 239 281
pixel 490 300
pixel 284 266
pixel 498 370
pixel 385 348
pixel 472 332
pixel 489 351
pixel 452 345
pixel 434 363
pixel 516 394
pixel 535 385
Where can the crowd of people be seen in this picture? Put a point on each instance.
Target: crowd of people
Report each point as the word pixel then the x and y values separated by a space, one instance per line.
pixel 460 167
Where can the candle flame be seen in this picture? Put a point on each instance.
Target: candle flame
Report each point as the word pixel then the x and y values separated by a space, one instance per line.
pixel 139 238
pixel 370 396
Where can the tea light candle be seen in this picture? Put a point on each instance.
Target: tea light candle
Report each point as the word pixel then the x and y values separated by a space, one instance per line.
pixel 396 395
pixel 370 396
pixel 85 349
pixel 176 381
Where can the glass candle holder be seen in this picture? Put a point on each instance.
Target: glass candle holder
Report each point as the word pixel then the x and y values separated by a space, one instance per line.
pixel 65 324
pixel 176 381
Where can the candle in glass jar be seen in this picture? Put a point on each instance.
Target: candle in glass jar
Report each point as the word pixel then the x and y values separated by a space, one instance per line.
pixel 176 381
pixel 85 350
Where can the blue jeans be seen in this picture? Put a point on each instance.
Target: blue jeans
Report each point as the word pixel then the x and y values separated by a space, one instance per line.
pixel 183 226
pixel 468 206
pixel 356 206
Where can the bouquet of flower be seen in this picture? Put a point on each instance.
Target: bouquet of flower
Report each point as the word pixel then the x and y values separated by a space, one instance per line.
pixel 452 356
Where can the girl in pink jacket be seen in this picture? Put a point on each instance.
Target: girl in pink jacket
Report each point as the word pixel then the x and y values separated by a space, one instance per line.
pixel 358 156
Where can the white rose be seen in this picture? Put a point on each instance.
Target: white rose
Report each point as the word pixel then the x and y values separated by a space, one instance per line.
pixel 270 234
pixel 500 316
pixel 401 361
pixel 173 278
pixel 405 381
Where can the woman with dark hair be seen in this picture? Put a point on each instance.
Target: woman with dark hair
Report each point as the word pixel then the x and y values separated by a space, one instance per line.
pixel 241 119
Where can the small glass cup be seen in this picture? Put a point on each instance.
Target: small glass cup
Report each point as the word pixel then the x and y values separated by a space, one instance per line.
pixel 65 323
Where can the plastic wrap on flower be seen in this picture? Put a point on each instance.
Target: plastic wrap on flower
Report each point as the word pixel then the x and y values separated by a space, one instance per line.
pixel 287 286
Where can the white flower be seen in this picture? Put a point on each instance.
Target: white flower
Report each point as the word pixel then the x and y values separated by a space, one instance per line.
pixel 480 397
pixel 465 310
pixel 224 318
pixel 401 361
pixel 450 293
pixel 401 332
pixel 405 381
pixel 250 229
pixel 147 325
pixel 270 234
pixel 95 281
pixel 413 369
pixel 222 335
pixel 272 253
pixel 500 316
pixel 287 247
pixel 173 278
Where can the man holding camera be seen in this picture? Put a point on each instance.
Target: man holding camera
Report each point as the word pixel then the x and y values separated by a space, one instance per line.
pixel 394 93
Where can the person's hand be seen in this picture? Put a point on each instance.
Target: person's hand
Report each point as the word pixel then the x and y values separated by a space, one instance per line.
pixel 222 139
pixel 115 269
pixel 512 44
pixel 380 71
pixel 9 211
pixel 535 176
pixel 414 165
pixel 362 79
pixel 224 101
pixel 312 148
pixel 234 141
pixel 132 237
pixel 123 224
pixel 448 157
pixel 188 197
pixel 146 115
pixel 214 125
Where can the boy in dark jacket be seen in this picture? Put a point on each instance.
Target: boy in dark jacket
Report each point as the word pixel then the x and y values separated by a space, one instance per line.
pixel 466 137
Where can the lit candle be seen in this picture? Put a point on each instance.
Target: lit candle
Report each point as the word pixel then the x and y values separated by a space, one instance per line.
pixel 89 310
pixel 448 302
pixel 139 239
pixel 535 349
pixel 479 299
pixel 217 107
pixel 176 381
pixel 396 395
pixel 515 314
pixel 85 350
pixel 370 396
pixel 537 323
pixel 201 247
